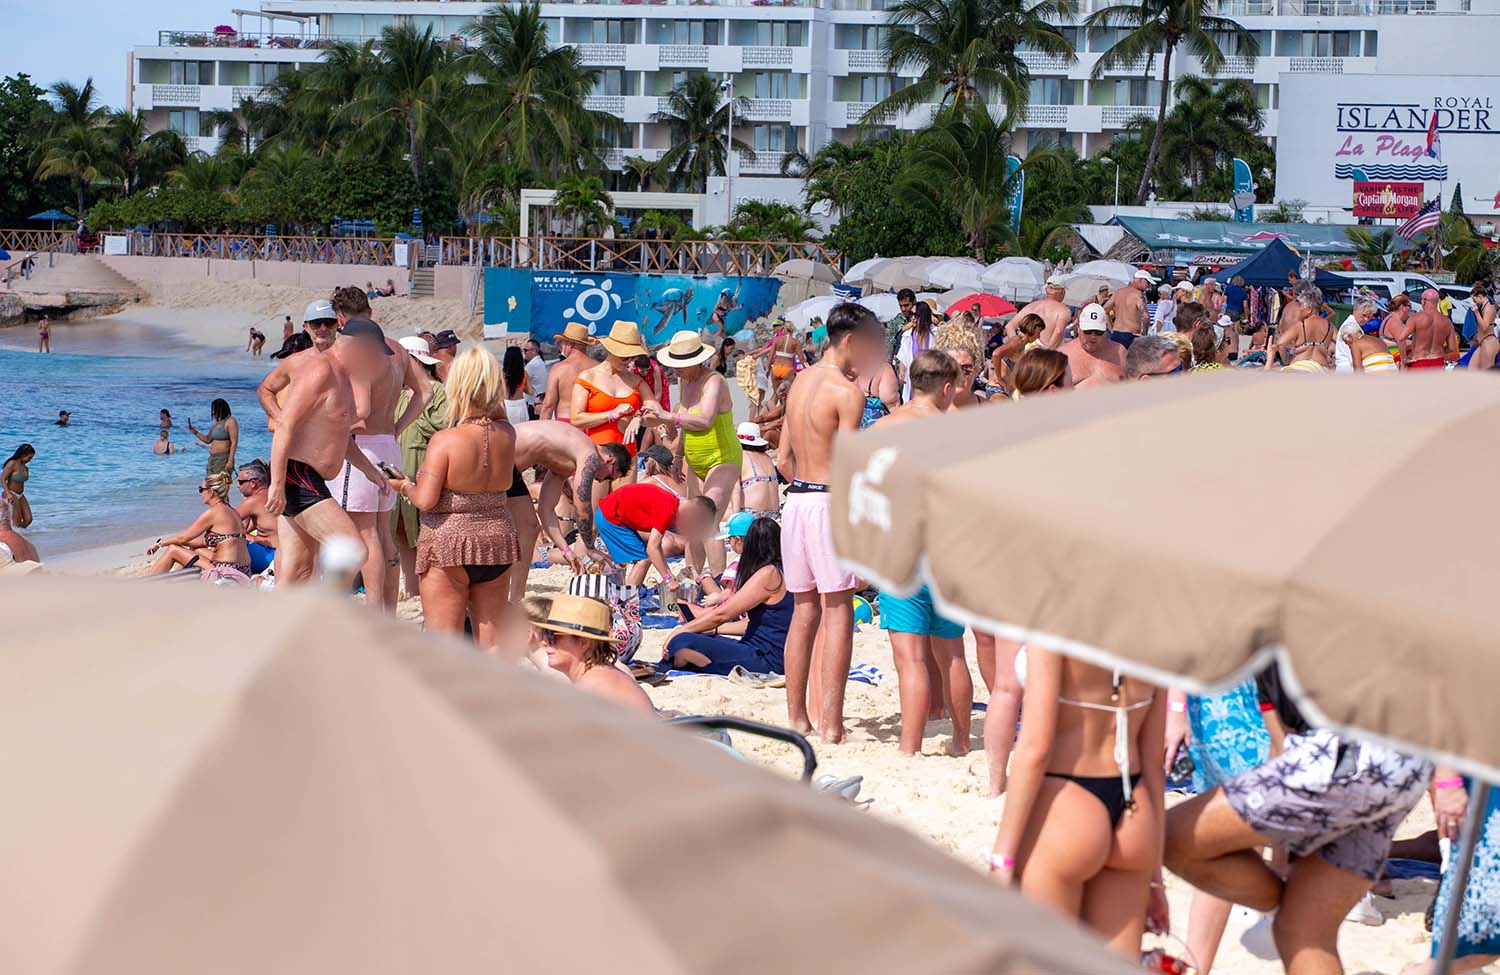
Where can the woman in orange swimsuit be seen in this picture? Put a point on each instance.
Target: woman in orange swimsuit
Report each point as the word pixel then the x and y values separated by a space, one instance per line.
pixel 608 396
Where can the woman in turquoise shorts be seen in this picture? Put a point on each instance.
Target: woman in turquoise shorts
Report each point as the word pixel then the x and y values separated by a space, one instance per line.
pixel 929 652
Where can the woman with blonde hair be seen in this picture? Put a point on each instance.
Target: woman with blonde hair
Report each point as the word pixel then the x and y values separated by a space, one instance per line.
pixel 468 539
pixel 960 338
pixel 216 536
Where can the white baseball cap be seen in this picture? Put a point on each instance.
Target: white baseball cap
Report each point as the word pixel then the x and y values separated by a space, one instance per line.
pixel 1093 319
pixel 1055 282
pixel 416 346
pixel 1184 286
pixel 317 310
pixel 1144 276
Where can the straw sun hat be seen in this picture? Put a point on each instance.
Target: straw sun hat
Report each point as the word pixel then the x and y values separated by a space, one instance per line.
pixel 624 340
pixel 575 332
pixel 686 349
pixel 579 616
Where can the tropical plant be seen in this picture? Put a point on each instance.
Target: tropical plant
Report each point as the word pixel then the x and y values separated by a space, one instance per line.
pixel 1372 248
pixel 1463 250
pixel 967 50
pixel 403 94
pixel 641 171
pixel 830 171
pixel 1287 211
pixel 77 148
pixel 77 104
pixel 1208 126
pixel 141 156
pixel 536 89
pixel 581 200
pixel 755 220
pixel 24 120
pixel 697 119
pixel 962 162
pixel 1161 26
pixel 206 174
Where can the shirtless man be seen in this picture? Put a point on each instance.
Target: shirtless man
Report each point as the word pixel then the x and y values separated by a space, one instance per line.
pixel 574 341
pixel 577 468
pixel 322 326
pixel 929 648
pixel 824 401
pixel 313 439
pixel 1428 340
pixel 369 501
pixel 1129 305
pixel 254 480
pixel 1092 357
pixel 1050 309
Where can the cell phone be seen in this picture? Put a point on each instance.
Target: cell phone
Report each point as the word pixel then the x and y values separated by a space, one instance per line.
pixel 388 470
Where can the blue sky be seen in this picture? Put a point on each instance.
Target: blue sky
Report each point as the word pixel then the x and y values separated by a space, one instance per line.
pixel 53 40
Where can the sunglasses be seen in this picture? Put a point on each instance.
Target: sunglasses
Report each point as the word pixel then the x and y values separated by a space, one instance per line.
pixel 246 480
pixel 202 488
pixel 323 324
pixel 1158 375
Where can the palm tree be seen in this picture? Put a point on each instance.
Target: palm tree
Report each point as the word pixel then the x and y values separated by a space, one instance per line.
pixel 404 91
pixel 76 147
pixel 1160 26
pixel 1463 251
pixel 1208 125
pixel 205 174
pixel 1372 248
pixel 536 89
pixel 967 50
pixel 643 170
pixel 77 104
pixel 962 163
pixel 582 201
pixel 141 156
pixel 277 165
pixel 829 172
pixel 755 220
pixel 697 116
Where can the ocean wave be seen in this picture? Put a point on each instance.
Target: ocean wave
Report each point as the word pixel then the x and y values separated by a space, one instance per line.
pixel 1408 171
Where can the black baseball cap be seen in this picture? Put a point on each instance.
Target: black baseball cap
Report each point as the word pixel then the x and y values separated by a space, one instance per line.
pixel 366 329
pixel 447 339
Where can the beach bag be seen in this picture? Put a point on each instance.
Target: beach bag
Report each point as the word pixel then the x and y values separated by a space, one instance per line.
pixel 625 610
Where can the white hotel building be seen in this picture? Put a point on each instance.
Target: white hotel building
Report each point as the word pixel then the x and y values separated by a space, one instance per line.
pixel 809 68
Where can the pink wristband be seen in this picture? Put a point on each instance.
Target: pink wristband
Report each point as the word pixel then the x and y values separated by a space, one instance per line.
pixel 1453 783
pixel 999 862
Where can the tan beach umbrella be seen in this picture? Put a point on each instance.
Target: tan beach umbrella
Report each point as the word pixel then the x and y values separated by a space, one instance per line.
pixel 805 269
pixel 903 272
pixel 248 783
pixel 1194 527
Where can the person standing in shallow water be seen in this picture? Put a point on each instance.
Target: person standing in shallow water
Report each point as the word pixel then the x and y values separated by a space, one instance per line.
pixel 43 335
pixel 222 439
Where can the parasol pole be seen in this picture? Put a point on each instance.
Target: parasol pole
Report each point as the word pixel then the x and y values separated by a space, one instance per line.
pixel 1473 825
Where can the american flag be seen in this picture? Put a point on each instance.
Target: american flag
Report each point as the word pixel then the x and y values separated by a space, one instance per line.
pixel 1424 219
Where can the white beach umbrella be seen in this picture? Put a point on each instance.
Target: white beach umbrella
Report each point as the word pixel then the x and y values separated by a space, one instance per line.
pixel 902 272
pixel 883 305
pixel 936 296
pixel 1018 278
pixel 860 273
pixel 1115 272
pixel 1080 289
pixel 804 312
pixel 806 269
pixel 955 272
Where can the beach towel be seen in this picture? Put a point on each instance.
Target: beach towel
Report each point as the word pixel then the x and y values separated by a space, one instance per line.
pixel 866 674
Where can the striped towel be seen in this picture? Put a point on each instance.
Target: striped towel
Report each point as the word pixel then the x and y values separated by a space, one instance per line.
pixel 866 674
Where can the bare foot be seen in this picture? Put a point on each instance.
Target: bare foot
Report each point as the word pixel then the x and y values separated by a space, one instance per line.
pixel 803 727
pixel 956 749
pixel 837 737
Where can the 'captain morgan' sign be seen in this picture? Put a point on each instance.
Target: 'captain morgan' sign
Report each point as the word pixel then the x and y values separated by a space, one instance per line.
pixel 1389 131
pixel 1389 200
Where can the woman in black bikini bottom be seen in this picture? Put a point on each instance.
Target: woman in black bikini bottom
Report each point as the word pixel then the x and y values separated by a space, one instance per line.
pixel 1083 825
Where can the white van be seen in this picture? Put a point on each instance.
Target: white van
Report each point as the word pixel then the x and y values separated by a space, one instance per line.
pixel 1388 284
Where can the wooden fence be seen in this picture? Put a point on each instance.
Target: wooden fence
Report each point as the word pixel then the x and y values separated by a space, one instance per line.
pixel 594 254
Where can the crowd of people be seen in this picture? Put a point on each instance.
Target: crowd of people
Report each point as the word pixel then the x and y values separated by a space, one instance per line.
pixel 450 473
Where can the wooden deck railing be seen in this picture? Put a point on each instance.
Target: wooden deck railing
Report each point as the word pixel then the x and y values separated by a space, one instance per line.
pixel 595 254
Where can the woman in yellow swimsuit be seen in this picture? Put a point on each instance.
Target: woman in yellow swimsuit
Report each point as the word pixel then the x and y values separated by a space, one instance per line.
pixel 709 444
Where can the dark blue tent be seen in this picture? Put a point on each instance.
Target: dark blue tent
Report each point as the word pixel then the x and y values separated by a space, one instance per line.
pixel 1268 269
pixel 53 215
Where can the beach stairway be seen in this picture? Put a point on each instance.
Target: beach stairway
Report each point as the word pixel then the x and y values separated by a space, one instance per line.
pixel 421 282
pixel 64 273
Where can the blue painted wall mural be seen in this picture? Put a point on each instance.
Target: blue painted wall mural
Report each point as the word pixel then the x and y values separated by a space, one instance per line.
pixel 542 302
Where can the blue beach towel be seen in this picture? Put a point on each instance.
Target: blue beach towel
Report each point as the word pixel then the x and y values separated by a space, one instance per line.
pixel 866 674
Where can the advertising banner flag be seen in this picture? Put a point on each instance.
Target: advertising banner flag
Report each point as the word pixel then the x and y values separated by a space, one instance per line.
pixel 1243 199
pixel 1017 196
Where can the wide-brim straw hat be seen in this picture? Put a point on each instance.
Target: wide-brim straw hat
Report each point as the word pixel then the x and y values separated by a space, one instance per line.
pixel 578 615
pixel 624 339
pixel 685 349
pixel 574 332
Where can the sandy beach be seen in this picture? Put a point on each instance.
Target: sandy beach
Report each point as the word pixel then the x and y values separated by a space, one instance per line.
pixel 935 796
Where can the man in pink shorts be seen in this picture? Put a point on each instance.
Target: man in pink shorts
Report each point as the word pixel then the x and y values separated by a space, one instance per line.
pixel 824 401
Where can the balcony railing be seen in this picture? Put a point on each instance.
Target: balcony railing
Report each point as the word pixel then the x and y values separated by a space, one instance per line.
pixel 1144 64
pixel 1039 63
pixel 766 57
pixel 241 92
pixel 1316 65
pixel 1246 8
pixel 765 163
pixel 681 55
pixel 1119 116
pixel 862 60
pixel 209 38
pixel 166 95
pixel 1049 115
pixel 768 109
pixel 1356 8
pixel 614 104
pixel 601 54
pixel 1233 66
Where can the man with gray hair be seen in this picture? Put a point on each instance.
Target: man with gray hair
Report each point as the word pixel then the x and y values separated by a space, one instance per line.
pixel 1150 356
pixel 260 527
pixel 1364 310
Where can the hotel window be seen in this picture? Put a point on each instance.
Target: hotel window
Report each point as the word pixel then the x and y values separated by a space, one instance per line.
pixel 613 81
pixel 187 123
pixel 762 33
pixel 1317 44
pixel 773 138
pixel 578 31
pixel 858 37
pixel 688 32
pixel 770 84
pixel 1131 91
pixel 1053 91
pixel 263 73
pixel 190 72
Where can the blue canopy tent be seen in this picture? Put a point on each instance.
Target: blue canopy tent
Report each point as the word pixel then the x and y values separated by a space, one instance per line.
pixel 1268 269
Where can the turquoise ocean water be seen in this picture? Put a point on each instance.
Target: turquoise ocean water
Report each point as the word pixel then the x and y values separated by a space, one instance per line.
pixel 97 481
